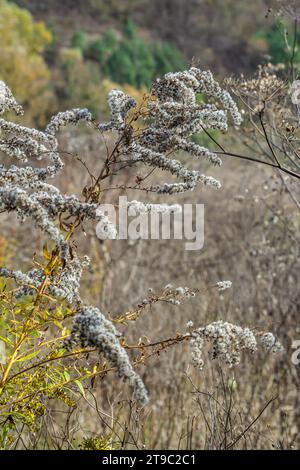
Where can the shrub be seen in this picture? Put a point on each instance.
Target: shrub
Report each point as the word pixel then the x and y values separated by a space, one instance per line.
pixel 78 40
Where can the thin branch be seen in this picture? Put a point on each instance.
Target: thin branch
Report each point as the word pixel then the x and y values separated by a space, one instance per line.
pixel 242 434
pixel 256 160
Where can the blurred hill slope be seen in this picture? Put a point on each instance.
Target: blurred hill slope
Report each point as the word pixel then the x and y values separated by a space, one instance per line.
pixel 219 33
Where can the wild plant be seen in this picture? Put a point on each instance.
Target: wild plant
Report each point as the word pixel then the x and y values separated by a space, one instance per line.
pixel 37 303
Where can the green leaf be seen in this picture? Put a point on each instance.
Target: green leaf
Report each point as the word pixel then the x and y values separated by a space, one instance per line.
pixel 6 340
pixel 29 356
pixel 66 375
pixel 35 334
pixel 57 323
pixel 46 253
pixel 80 386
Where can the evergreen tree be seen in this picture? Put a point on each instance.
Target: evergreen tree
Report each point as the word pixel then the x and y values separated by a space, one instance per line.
pixel 79 40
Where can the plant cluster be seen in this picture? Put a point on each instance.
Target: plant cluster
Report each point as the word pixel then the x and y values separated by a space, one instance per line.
pixel 49 292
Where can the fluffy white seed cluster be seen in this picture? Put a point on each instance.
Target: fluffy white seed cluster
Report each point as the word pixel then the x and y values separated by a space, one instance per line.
pixel 227 343
pixel 72 116
pixel 223 285
pixel 25 190
pixel 135 207
pixel 105 229
pixel 120 104
pixel 7 100
pixel 64 285
pixel 181 290
pixel 92 329
pixel 176 295
pixel 175 116
pixel 270 343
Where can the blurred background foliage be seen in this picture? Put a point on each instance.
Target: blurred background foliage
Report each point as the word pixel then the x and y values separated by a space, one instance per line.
pixel 56 55
pixel 23 68
pixel 278 40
